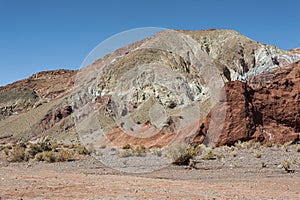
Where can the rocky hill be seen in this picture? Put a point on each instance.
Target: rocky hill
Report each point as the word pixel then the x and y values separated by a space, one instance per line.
pixel 161 90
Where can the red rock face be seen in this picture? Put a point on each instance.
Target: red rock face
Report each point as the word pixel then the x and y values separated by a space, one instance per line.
pixel 270 112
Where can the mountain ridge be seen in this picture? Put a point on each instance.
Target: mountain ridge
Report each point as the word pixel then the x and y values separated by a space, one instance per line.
pixel 60 94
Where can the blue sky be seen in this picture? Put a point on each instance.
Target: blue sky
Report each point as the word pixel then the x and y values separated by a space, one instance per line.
pixel 37 35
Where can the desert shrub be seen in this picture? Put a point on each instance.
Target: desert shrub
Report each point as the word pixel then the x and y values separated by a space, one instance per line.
pixel 82 150
pixel 22 144
pixel 268 144
pixel 17 154
pixel 156 151
pixel 34 149
pixel 250 145
pixel 123 153
pixel 51 156
pixel 212 145
pixel 45 146
pixel 209 156
pixel 238 144
pixel 182 153
pixel 175 151
pixel 257 154
pixel 6 151
pixel 54 145
pixel 140 150
pixel 64 155
pixel 286 165
pixel 128 146
pixel 42 152
pixel 48 156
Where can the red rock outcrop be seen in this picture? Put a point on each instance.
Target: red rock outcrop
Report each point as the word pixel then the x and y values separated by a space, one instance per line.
pixel 47 84
pixel 54 117
pixel 271 112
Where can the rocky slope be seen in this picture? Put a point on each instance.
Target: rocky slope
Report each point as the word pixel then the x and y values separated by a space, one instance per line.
pixel 40 88
pixel 153 91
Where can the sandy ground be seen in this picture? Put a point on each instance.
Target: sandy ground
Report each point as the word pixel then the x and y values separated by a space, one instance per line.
pixel 237 177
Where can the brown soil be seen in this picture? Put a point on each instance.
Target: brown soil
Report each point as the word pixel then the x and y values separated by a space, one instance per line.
pixel 233 177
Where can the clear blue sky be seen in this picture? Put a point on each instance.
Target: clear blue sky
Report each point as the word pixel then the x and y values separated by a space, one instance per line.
pixel 39 35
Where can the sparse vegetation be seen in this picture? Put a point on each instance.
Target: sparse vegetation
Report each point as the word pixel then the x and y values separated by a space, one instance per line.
pixel 268 144
pixel 182 153
pixel 140 150
pixel 82 150
pixel 124 153
pixel 156 151
pixel 128 147
pixel 238 144
pixel 247 145
pixel 129 150
pixel 51 156
pixel 42 152
pixel 286 165
pixel 257 154
pixel 17 154
pixel 209 156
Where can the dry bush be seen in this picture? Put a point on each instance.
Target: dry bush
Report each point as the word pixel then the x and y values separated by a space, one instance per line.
pixel 156 151
pixel 124 153
pixel 17 154
pixel 51 156
pixel 209 156
pixel 182 153
pixel 257 154
pixel 128 147
pixel 140 150
pixel 286 165
pixel 268 144
pixel 82 150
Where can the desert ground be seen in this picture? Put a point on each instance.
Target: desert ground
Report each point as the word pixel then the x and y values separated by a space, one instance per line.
pixel 239 172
